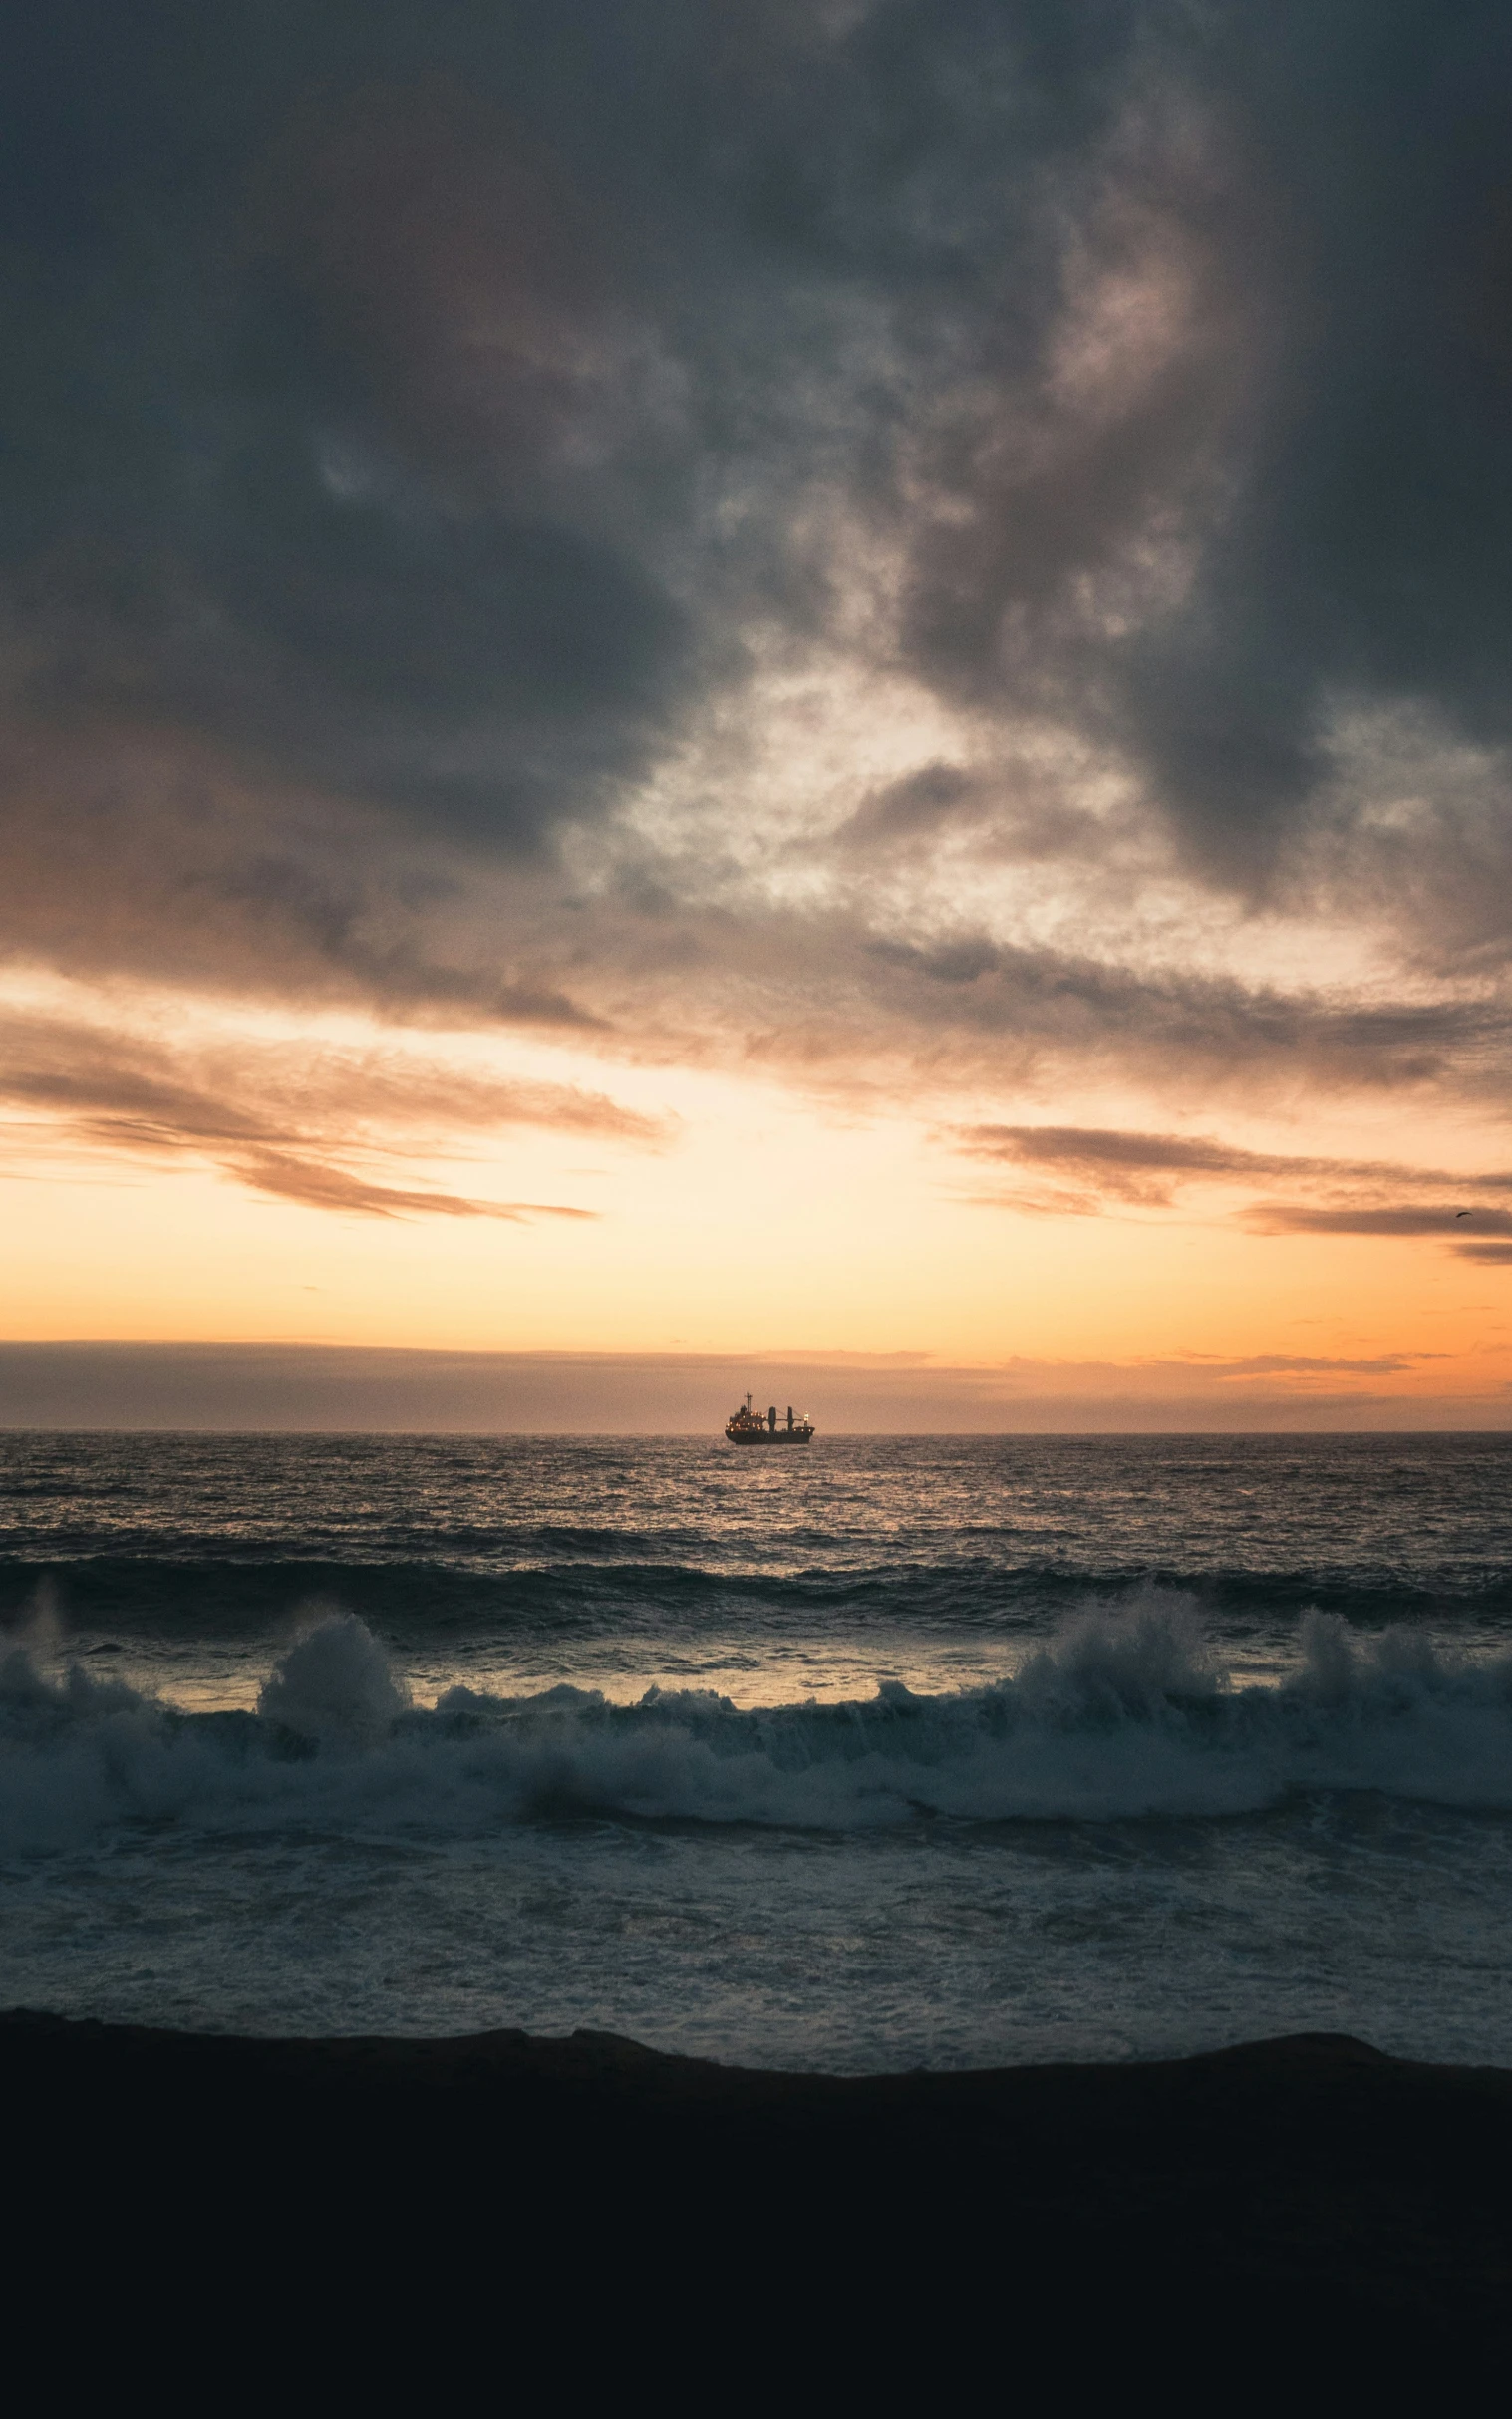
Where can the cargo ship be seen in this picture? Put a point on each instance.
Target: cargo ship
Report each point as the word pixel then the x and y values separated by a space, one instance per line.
pixel 746 1426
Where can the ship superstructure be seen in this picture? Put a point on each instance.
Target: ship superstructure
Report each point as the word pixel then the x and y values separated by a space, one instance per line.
pixel 746 1426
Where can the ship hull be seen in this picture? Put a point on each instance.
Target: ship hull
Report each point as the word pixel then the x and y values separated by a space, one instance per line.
pixel 766 1436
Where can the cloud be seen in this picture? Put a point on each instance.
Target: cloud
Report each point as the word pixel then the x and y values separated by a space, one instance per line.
pixel 1128 1166
pixel 149 861
pixel 915 807
pixel 1234 468
pixel 437 448
pixel 1115 1157
pixel 1286 1218
pixel 315 1186
pixel 281 1386
pixel 296 465
pixel 287 1118
pixel 1298 1364
pixel 1183 1020
pixel 1111 1167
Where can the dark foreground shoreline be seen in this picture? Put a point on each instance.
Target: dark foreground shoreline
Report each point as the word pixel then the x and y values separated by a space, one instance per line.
pixel 1347 2195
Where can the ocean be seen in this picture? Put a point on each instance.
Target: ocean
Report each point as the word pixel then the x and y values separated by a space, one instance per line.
pixel 887 1754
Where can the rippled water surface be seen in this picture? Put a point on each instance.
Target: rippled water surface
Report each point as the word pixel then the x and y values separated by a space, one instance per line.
pixel 886 1751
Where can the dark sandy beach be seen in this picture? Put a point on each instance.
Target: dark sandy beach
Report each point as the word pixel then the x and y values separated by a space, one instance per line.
pixel 1348 2195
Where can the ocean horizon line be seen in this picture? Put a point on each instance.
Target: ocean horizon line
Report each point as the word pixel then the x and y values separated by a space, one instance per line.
pixel 255 1386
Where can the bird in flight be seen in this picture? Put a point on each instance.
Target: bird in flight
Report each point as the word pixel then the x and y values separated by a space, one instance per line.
pixel 1462 1213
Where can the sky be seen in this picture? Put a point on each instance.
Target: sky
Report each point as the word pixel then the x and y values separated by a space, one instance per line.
pixel 810 688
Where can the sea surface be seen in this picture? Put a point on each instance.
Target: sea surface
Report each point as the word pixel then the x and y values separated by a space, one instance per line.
pixel 885 1753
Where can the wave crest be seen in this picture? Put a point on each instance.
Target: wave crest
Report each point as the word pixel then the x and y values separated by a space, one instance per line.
pixel 1123 1715
pixel 334 1684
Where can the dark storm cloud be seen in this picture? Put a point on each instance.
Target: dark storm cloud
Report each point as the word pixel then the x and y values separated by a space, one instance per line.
pixel 424 408
pixel 1321 447
pixel 296 388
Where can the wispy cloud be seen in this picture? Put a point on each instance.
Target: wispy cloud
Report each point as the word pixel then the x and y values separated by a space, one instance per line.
pixel 317 1186
pixel 1309 1364
pixel 1115 1164
pixel 316 1125
pixel 1114 1167
pixel 1444 1223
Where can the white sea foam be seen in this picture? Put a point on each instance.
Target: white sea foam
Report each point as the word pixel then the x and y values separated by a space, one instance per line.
pixel 1125 1714
pixel 335 1684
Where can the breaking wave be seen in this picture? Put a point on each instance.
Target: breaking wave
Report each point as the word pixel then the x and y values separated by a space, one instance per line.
pixel 1124 1715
